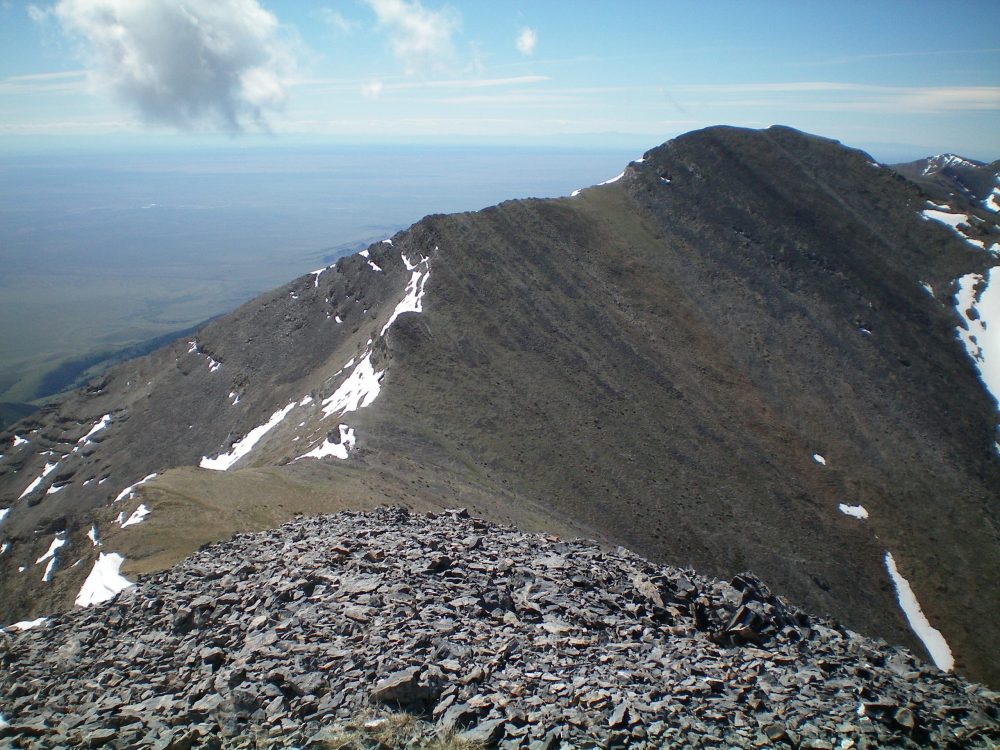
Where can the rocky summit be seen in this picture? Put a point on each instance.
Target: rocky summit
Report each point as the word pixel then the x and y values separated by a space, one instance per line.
pixel 485 634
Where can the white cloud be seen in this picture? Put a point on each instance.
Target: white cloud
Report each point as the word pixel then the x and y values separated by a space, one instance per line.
pixel 36 14
pixel 419 37
pixel 526 40
pixel 184 63
pixel 337 20
pixel 372 90
pixel 845 97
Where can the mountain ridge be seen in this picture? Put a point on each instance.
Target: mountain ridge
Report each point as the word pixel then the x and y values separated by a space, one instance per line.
pixel 654 362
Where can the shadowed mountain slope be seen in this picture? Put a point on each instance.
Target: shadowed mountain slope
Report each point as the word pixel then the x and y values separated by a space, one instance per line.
pixel 701 360
pixel 947 176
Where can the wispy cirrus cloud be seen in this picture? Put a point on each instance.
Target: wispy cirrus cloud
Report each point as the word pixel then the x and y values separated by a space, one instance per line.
pixel 848 59
pixel 60 82
pixel 182 64
pixel 827 95
pixel 419 37
pixel 336 20
pixel 380 86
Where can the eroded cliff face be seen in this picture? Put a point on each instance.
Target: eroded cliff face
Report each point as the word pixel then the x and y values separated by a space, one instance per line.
pixel 708 360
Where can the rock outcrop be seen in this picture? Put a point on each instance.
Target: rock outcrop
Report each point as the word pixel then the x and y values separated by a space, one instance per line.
pixel 277 639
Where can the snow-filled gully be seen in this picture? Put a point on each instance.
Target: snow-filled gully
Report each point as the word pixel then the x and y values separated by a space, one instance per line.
pixel 358 390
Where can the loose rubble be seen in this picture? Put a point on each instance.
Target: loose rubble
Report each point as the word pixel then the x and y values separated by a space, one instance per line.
pixel 284 637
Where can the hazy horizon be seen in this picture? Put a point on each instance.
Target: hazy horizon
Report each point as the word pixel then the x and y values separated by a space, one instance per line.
pixel 161 162
pixel 104 250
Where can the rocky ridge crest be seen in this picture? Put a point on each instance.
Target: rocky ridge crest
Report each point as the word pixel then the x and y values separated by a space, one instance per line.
pixel 281 638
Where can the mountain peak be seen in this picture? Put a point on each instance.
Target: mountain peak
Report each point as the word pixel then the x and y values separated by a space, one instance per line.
pixel 654 362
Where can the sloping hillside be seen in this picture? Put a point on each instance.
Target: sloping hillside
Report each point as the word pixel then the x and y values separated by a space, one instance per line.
pixel 726 358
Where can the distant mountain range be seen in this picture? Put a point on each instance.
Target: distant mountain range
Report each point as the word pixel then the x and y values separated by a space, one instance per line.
pixel 948 176
pixel 752 350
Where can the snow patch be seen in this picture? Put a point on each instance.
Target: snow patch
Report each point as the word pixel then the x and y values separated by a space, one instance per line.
pixel 235 397
pixel 330 448
pixel 49 468
pixel 359 390
pixel 242 447
pixel 364 253
pixel 413 297
pixel 927 288
pixel 4 547
pixel 953 222
pixel 104 580
pixel 992 202
pixel 932 639
pixel 26 625
pixel 316 274
pixel 194 347
pixel 58 541
pixel 387 242
pixel 977 302
pixel 374 266
pixel 50 555
pixel 855 511
pixel 3 513
pixel 92 535
pixel 18 440
pixel 98 426
pixel 213 365
pixel 946 217
pixel 54 489
pixel 613 179
pixel 337 318
pixel 819 459
pixel 127 492
pixel 138 516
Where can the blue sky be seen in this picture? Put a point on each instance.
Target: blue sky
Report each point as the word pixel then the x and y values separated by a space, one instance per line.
pixel 898 78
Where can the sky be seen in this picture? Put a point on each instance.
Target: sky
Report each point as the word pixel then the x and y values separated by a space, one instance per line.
pixel 898 78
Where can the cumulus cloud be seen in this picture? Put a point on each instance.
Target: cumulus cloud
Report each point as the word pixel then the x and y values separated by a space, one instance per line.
pixel 526 39
pixel 184 62
pixel 419 37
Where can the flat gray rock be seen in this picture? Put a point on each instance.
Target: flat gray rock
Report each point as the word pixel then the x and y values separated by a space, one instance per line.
pixel 520 641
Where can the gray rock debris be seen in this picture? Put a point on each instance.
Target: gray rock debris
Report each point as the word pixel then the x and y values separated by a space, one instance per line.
pixel 278 638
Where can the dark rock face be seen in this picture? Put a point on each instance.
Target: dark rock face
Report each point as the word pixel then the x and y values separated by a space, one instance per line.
pixel 276 639
pixel 651 363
